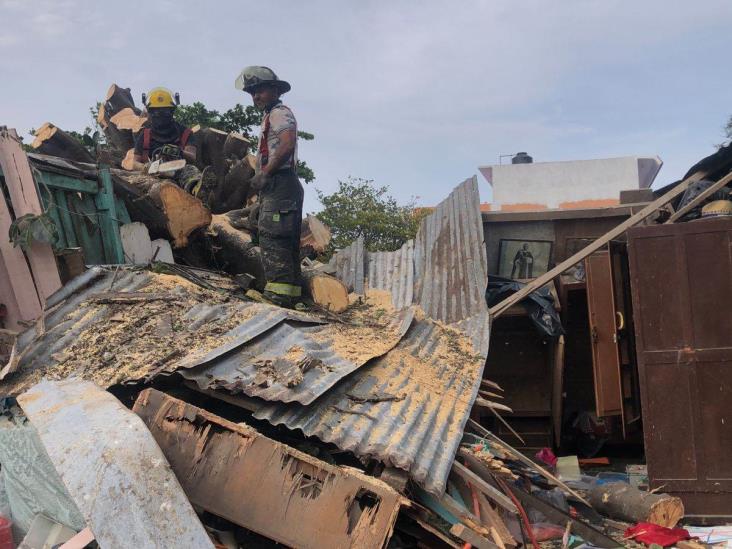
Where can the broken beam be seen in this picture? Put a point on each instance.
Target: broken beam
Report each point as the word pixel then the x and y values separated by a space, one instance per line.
pixel 232 471
pixel 706 193
pixel 491 492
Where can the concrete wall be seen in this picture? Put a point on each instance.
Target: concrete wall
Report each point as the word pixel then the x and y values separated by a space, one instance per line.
pixel 566 185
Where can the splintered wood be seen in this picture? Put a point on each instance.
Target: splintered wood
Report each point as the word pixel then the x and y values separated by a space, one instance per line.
pixel 291 497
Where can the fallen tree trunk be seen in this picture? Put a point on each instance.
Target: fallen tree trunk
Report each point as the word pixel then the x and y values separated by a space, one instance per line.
pixel 182 212
pixel 622 501
pixel 233 249
pixel 325 291
pixel 233 189
pixel 119 140
pixel 117 99
pixel 236 146
pixel 120 120
pixel 210 145
pixel 53 141
pixel 315 236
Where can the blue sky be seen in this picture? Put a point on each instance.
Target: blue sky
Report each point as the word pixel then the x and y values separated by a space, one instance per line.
pixel 412 94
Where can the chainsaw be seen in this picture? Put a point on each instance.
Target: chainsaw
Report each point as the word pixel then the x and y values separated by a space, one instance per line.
pixel 167 161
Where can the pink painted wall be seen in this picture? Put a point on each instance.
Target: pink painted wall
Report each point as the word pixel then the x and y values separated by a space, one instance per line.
pixel 26 280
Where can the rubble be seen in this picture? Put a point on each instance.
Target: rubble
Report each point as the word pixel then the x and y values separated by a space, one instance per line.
pixel 353 423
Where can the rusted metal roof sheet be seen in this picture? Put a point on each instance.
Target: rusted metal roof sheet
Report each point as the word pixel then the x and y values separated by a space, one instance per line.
pixel 438 377
pixel 350 265
pixel 451 273
pixel 290 363
pixel 434 385
pixel 73 312
pixel 112 467
pixel 260 354
pixel 394 272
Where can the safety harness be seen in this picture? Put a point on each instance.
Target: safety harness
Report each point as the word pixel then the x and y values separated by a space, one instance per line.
pixel 147 137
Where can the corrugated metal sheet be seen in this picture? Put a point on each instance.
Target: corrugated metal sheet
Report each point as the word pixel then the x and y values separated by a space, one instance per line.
pixel 272 367
pixel 407 408
pixel 290 362
pixel 451 272
pixel 72 314
pixel 420 432
pixel 112 467
pixel 394 272
pixel 350 265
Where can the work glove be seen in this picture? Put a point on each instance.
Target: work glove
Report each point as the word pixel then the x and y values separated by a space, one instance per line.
pixel 259 181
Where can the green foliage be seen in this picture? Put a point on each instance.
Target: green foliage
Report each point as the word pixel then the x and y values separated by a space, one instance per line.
pixel 359 208
pixel 240 119
pixel 30 227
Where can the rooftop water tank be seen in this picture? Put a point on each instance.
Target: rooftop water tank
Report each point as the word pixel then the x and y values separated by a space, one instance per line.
pixel 521 158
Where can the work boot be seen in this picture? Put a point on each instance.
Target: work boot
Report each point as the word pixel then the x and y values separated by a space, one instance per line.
pixel 285 301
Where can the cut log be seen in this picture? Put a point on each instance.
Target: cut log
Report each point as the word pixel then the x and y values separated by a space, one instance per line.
pixel 315 235
pixel 326 291
pixel 53 141
pixel 128 119
pixel 182 212
pixel 128 162
pixel 210 149
pixel 117 99
pixel 101 117
pixel 236 146
pixel 233 249
pixel 622 501
pixel 185 213
pixel 233 189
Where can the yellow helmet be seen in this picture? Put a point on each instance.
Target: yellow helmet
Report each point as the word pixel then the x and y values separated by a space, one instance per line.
pixel 159 97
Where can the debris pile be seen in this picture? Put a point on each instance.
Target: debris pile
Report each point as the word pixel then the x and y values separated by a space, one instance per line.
pixel 165 404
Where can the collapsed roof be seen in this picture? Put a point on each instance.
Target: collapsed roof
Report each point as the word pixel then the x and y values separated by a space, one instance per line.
pixel 394 379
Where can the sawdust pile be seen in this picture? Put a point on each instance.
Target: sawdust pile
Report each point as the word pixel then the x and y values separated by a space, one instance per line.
pixel 126 340
pixel 439 369
pixel 367 329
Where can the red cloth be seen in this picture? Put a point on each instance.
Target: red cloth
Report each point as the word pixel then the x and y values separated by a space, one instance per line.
pixel 546 455
pixel 648 533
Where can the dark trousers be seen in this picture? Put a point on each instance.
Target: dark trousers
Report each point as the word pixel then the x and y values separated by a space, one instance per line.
pixel 280 220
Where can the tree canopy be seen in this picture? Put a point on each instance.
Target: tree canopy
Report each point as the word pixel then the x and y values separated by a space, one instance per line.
pixel 240 119
pixel 360 208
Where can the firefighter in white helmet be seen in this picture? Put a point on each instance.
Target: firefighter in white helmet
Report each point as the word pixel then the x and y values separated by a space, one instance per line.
pixel 280 191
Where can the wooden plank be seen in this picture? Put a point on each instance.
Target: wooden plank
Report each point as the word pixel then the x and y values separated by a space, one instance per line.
pixel 605 352
pixel 58 181
pixel 479 401
pixel 462 514
pixel 706 193
pixel 108 222
pixel 501 307
pixel 234 472
pixel 461 531
pixel 557 388
pixel 24 196
pixel 491 492
pixel 526 461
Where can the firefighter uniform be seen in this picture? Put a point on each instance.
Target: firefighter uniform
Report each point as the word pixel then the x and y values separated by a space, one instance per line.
pixel 281 197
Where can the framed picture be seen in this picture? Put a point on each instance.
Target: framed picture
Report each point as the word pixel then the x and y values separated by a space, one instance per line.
pixel 524 259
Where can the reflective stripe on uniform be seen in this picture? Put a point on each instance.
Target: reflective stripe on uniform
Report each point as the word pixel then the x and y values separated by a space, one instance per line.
pixel 282 288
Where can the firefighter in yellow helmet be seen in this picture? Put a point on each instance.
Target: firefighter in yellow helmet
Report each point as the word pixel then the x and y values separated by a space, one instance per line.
pixel 163 129
pixel 280 191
